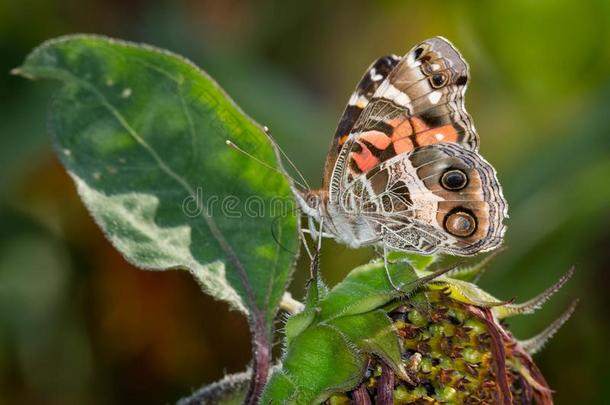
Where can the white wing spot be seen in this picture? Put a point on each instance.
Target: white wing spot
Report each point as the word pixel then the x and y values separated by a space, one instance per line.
pixel 399 97
pixel 434 97
pixel 374 75
pixel 391 92
pixel 126 92
pixel 402 99
pixel 381 89
pixel 439 136
pixel 411 62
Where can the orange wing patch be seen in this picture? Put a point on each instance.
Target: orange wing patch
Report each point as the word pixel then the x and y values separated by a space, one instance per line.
pixel 365 159
pixel 401 136
pixel 414 131
pixel 376 138
pixel 406 134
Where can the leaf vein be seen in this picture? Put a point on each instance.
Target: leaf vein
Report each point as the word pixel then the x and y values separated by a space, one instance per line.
pixel 216 233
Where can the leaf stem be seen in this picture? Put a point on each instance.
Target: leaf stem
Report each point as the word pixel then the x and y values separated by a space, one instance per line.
pixel 261 358
pixel 231 386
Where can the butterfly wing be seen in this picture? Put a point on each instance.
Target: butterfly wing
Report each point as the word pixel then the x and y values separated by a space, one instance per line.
pixel 439 197
pixel 408 175
pixel 366 88
pixel 421 102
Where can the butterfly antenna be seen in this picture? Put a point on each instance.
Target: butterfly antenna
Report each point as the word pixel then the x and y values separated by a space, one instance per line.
pixel 290 162
pixel 231 144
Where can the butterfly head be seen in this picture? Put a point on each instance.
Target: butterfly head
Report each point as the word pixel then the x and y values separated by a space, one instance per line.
pixel 311 202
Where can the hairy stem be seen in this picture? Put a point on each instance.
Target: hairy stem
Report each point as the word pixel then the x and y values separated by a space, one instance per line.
pixel 231 389
pixel 261 358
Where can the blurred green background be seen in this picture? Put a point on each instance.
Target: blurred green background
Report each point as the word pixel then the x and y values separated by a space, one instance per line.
pixel 78 325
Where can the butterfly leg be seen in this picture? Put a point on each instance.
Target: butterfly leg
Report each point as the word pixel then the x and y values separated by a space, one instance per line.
pixel 304 241
pixel 324 234
pixel 320 234
pixel 315 257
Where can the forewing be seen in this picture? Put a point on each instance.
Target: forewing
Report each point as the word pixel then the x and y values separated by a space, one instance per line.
pixel 421 102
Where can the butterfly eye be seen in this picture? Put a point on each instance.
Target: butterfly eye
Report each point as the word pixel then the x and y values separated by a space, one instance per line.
pixel 460 223
pixel 454 180
pixel 312 200
pixel 438 80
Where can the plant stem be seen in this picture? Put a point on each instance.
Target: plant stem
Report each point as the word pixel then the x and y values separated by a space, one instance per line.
pixel 261 358
pixel 361 396
pixel 231 389
pixel 385 390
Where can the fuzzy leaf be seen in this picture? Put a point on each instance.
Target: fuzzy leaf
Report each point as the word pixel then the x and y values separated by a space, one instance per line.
pixel 327 343
pixel 280 386
pixel 372 332
pixel 531 305
pixel 142 133
pixel 297 323
pixel 365 288
pixel 466 292
pixel 418 262
pixel 319 361
pixel 329 356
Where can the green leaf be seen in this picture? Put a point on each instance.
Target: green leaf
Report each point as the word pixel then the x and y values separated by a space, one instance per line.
pixel 466 292
pixel 329 356
pixel 280 386
pixel 320 360
pixel 418 262
pixel 297 323
pixel 373 332
pixel 366 288
pixel 142 132
pixel 328 342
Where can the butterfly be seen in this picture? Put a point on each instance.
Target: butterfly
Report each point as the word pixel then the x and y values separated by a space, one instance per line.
pixel 403 171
